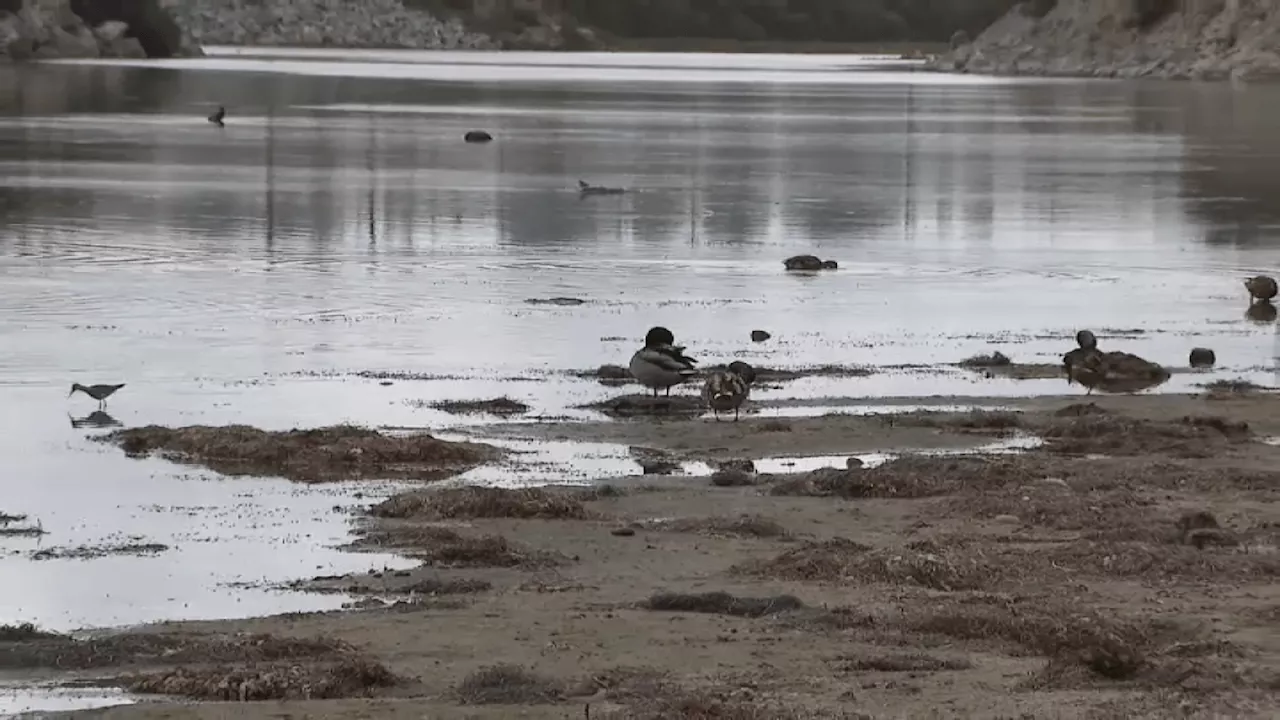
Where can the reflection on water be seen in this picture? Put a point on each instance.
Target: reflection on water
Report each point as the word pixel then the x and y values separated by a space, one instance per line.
pixel 339 224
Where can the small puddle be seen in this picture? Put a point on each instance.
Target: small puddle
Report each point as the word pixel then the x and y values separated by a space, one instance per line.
pixel 545 462
pixel 15 701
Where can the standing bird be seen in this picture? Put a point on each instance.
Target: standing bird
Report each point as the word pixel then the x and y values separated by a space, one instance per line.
pixel 661 363
pixel 1082 359
pixel 727 389
pixel 97 392
pixel 1261 287
pixel 216 117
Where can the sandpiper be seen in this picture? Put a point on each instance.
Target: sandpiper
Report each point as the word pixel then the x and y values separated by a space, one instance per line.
pixel 97 392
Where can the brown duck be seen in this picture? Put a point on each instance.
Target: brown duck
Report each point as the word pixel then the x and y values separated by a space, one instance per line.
pixel 1261 287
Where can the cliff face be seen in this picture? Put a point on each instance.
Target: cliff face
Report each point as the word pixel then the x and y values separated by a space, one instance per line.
pixel 1195 39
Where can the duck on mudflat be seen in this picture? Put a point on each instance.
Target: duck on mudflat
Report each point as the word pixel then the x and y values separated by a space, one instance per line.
pixel 727 389
pixel 661 363
pixel 1088 347
pixel 217 116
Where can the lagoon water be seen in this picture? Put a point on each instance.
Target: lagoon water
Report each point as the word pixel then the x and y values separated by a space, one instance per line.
pixel 339 226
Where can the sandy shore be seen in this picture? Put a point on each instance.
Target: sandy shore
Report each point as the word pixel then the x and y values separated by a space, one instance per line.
pixel 1125 568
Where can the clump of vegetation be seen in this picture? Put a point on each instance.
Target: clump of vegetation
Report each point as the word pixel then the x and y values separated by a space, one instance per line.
pixel 24 647
pixel 342 452
pixel 472 502
pixel 910 476
pixel 349 677
pixel 444 547
pixel 723 603
pixel 1109 434
pixel 508 684
pixel 923 564
pixel 503 406
pixel 995 359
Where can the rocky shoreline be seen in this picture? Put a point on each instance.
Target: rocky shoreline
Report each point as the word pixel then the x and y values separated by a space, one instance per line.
pixel 1195 40
pixel 322 23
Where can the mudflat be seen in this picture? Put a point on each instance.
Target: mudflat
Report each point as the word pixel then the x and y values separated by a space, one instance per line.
pixel 1125 567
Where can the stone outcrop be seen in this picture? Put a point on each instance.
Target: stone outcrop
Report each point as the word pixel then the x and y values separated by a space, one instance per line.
pixel 1179 39
pixel 40 29
pixel 321 23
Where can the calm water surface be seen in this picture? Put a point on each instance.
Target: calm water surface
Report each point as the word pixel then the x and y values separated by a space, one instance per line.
pixel 339 225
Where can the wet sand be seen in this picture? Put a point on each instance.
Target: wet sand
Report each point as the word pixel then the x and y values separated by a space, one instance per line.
pixel 1125 568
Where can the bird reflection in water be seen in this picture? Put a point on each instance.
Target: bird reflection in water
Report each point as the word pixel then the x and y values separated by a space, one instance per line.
pixel 95 419
pixel 1262 312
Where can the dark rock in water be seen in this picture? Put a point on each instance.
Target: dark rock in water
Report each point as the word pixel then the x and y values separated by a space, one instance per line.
pixel 1262 287
pixel 853 463
pixel 477 136
pixel 995 359
pixel 613 372
pixel 829 265
pixel 562 301
pixel 1202 358
pixel 803 262
pixel 759 336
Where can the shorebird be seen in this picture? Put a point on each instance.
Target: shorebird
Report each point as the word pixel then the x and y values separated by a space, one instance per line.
pixel 727 389
pixel 216 117
pixel 661 363
pixel 97 392
pixel 1261 287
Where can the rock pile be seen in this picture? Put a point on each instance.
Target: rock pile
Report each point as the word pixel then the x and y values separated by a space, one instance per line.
pixel 321 23
pixel 1192 39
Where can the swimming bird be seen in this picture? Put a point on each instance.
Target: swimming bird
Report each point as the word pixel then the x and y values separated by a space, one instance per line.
pixel 1261 287
pixel 586 188
pixel 97 392
pixel 216 117
pixel 727 389
pixel 661 363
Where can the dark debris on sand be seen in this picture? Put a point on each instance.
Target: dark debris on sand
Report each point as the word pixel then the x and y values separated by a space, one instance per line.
pixel 342 452
pixel 723 603
pixel 1112 434
pixel 473 502
pixel 502 406
pixel 907 477
pixel 629 406
pixel 24 647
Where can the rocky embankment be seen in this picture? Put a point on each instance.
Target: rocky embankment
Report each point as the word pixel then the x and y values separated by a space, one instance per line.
pixel 321 23
pixel 40 29
pixel 1189 39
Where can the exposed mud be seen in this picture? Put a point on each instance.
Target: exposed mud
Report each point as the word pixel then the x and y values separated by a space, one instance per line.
pixel 342 452
pixel 502 406
pixel 90 552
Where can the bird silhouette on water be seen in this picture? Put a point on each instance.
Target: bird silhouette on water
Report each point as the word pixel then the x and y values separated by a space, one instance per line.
pixel 217 116
pixel 97 392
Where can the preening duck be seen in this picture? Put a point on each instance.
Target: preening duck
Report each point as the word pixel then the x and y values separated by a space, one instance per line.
pixel 727 389
pixel 661 363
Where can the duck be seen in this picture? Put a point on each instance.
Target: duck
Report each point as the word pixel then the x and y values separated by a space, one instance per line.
pixel 217 116
pixel 661 363
pixel 727 389
pixel 586 188
pixel 1261 288
pixel 1088 347
pixel 97 392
